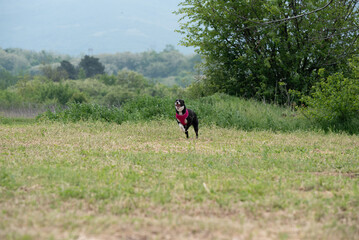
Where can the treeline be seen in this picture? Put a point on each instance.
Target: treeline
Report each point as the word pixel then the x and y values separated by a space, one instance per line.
pixel 43 78
pixel 103 89
pixel 151 64
pixel 169 66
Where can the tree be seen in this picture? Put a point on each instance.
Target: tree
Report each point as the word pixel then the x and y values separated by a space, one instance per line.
pixel 69 68
pixel 91 66
pixel 6 79
pixel 132 80
pixel 264 48
pixel 334 101
pixel 12 62
pixel 54 74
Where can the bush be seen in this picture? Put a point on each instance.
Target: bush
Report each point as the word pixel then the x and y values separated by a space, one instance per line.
pixel 141 108
pixel 83 112
pixel 233 112
pixel 148 108
pixel 117 96
pixel 62 93
pixel 220 109
pixel 42 91
pixel 8 99
pixel 334 102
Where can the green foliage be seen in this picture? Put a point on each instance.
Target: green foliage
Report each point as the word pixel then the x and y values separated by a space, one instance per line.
pixel 54 91
pixel 68 68
pixel 334 102
pixel 102 89
pixel 155 65
pixel 61 93
pixel 40 91
pixel 6 79
pixel 92 66
pixel 148 108
pixel 93 178
pixel 168 66
pixel 12 62
pixel 8 98
pixel 55 74
pixel 7 179
pixel 91 87
pixel 16 120
pixel 220 110
pixel 114 90
pixel 251 46
pixel 232 112
pixel 78 97
pixel 81 74
pixel 141 108
pixel 117 95
pixel 131 80
pixel 16 60
pixel 107 79
pixel 83 112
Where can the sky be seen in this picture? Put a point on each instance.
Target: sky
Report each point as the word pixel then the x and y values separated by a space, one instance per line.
pixel 78 27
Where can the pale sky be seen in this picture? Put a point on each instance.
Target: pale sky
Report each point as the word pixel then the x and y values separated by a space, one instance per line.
pixel 75 26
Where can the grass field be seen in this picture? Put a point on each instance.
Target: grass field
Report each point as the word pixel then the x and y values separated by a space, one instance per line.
pixel 92 180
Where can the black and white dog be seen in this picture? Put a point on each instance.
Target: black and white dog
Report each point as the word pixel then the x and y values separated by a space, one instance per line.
pixel 185 117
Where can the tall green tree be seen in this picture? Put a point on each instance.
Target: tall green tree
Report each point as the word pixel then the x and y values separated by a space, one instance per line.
pixel 6 79
pixel 69 68
pixel 262 48
pixel 91 66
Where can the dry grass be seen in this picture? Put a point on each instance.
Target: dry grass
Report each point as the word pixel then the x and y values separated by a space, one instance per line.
pixel 146 181
pixel 25 111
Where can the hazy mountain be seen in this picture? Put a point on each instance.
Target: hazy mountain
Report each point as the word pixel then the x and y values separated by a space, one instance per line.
pixel 89 26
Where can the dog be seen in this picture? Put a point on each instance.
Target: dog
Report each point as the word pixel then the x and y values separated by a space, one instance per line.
pixel 185 117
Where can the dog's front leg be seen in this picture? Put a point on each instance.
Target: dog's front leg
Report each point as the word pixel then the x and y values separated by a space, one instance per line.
pixel 181 127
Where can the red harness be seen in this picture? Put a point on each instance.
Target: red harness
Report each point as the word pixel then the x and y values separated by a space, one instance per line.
pixel 182 118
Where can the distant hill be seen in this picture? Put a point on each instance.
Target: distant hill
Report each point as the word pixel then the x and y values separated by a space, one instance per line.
pixel 89 26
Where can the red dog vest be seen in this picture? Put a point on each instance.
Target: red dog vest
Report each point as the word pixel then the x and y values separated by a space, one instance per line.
pixel 182 118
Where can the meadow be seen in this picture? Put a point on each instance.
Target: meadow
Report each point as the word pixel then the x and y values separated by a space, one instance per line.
pixel 144 180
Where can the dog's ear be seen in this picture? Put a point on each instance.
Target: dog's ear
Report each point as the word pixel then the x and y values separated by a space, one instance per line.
pixel 182 101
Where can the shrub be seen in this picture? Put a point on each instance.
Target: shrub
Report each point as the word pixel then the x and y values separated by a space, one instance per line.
pixel 148 108
pixel 83 112
pixel 141 108
pixel 233 112
pixel 117 96
pixel 220 109
pixel 8 98
pixel 62 93
pixel 334 102
pixel 78 97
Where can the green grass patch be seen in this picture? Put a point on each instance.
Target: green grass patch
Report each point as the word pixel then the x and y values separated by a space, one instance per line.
pixel 16 121
pixel 95 179
pixel 220 110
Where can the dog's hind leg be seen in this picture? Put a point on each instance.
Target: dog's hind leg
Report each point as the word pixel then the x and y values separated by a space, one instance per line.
pixel 195 126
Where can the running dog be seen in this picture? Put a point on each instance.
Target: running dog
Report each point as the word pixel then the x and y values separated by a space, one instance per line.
pixel 185 117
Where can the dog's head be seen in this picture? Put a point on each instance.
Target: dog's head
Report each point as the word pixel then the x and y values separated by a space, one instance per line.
pixel 179 105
